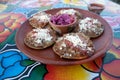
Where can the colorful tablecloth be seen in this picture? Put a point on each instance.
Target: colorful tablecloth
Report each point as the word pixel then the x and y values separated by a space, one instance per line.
pixel 14 65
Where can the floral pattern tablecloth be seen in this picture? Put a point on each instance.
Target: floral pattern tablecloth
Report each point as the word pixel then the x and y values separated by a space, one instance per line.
pixel 14 65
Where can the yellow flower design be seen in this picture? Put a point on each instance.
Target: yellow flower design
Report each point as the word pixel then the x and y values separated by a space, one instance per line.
pixel 2 7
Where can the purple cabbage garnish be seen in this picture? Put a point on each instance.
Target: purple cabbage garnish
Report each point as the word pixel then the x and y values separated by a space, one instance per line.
pixel 62 19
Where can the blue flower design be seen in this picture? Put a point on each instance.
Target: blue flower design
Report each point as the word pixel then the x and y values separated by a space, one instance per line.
pixel 10 63
pixel 28 12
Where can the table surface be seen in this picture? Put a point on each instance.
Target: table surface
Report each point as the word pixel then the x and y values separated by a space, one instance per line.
pixel 14 65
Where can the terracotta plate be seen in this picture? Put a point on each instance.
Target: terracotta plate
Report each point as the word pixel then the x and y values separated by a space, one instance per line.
pixel 47 56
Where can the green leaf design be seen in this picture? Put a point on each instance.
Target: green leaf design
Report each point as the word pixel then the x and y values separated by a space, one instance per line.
pixel 42 8
pixel 27 62
pixel 108 58
pixel 10 40
pixel 37 73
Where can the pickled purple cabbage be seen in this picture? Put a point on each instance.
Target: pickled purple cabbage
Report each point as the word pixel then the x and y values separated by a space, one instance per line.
pixel 62 19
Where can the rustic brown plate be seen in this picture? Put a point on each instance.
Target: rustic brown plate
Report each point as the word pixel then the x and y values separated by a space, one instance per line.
pixel 47 56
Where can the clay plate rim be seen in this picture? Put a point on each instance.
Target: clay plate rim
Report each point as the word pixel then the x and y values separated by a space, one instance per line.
pixel 47 56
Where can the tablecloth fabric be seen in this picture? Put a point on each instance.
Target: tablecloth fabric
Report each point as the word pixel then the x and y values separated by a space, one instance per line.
pixel 14 65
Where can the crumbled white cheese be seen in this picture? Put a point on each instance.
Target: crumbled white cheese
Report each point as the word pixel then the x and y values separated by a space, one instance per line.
pixel 95 21
pixel 66 55
pixel 68 11
pixel 63 44
pixel 89 24
pixel 75 40
pixel 42 17
pixel 89 48
pixel 60 48
pixel 42 34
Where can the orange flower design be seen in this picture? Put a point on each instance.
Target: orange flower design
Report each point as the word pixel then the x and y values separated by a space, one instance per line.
pixel 86 71
pixel 73 72
pixel 111 69
pixel 100 68
pixel 8 23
